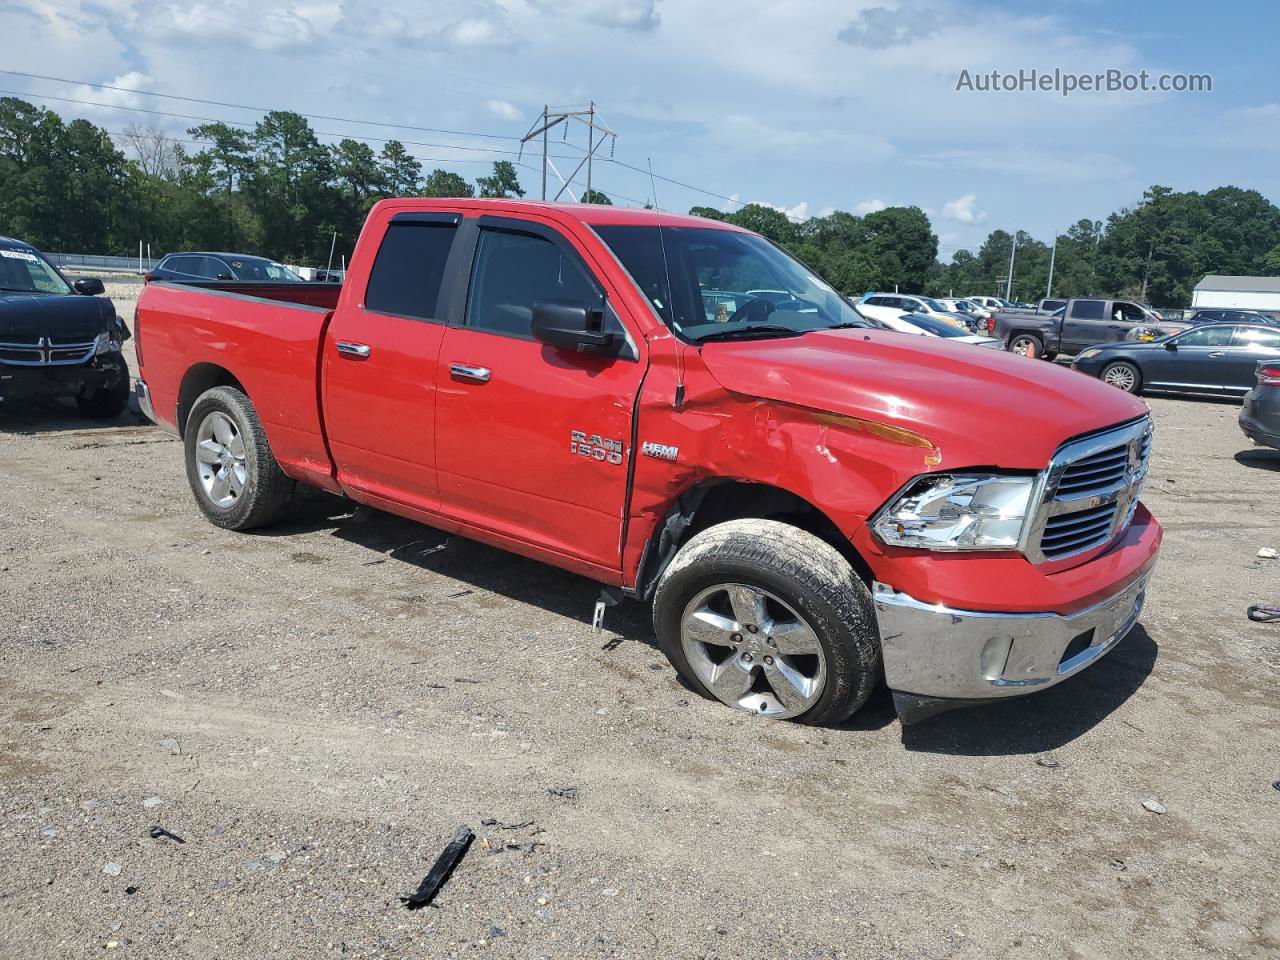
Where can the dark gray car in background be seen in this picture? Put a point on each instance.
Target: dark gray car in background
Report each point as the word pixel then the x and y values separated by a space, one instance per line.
pixel 1219 359
pixel 1260 415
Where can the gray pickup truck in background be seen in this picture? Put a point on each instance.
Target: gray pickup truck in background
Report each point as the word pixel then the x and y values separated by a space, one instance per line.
pixel 1083 322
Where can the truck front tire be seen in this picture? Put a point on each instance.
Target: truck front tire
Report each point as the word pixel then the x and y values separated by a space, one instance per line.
pixel 771 619
pixel 232 471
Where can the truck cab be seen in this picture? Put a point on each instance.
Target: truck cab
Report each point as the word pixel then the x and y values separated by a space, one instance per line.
pixel 1078 324
pixel 678 409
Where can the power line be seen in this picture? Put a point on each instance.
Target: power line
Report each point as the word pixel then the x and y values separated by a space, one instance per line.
pixel 243 106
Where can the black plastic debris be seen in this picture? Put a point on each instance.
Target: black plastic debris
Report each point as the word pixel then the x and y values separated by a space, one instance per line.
pixel 565 793
pixel 491 822
pixel 160 833
pixel 1047 762
pixel 1263 613
pixel 440 871
pixel 130 890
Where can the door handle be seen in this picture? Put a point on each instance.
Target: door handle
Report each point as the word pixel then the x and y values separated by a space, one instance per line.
pixel 359 351
pixel 466 372
pixel 1218 353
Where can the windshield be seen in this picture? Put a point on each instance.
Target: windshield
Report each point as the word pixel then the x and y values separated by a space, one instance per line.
pixel 25 272
pixel 720 282
pixel 939 328
pixel 934 305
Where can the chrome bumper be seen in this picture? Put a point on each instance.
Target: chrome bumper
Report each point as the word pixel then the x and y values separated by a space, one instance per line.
pixel 144 399
pixel 935 651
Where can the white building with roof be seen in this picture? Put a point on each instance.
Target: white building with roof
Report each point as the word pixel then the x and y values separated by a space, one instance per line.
pixel 1238 293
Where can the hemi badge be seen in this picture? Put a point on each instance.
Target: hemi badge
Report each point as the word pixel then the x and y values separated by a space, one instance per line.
pixel 659 451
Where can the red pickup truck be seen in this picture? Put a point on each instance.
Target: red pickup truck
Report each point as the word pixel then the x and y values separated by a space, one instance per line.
pixel 679 410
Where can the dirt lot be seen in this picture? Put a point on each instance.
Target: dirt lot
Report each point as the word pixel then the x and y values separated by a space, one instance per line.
pixel 316 708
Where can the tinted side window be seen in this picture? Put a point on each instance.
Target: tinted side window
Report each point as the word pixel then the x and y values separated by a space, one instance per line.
pixel 406 276
pixel 1257 339
pixel 514 271
pixel 1088 309
pixel 182 265
pixel 876 301
pixel 1206 337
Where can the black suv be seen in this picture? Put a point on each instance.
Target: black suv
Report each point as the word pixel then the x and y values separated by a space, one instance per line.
pixel 57 338
pixel 181 267
pixel 1231 316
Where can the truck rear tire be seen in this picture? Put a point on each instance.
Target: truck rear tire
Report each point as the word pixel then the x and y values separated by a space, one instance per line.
pixel 768 618
pixel 232 471
pixel 105 402
pixel 1026 345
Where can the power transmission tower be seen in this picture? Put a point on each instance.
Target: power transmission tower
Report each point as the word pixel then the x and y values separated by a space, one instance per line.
pixel 591 118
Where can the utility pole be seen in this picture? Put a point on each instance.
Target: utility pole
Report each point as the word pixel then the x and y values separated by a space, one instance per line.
pixel 1053 252
pixel 594 123
pixel 1008 286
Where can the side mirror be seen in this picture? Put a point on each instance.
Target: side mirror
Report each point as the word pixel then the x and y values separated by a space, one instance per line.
pixel 1171 344
pixel 571 325
pixel 89 286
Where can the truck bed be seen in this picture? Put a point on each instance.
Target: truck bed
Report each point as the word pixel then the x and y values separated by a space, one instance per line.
pixel 266 337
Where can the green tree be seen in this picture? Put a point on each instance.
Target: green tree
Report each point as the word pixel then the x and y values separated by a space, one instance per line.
pixel 444 183
pixel 290 187
pixel 767 221
pixel 595 196
pixel 401 172
pixel 503 182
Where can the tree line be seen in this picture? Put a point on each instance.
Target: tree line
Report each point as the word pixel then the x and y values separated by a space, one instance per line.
pixel 276 190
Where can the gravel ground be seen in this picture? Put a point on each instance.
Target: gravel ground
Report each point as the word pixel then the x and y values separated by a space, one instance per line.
pixel 316 708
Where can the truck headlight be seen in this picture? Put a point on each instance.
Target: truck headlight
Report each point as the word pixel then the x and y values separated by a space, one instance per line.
pixel 105 343
pixel 957 511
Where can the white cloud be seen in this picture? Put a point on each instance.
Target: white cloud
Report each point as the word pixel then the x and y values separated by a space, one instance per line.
pixel 869 206
pixel 478 32
pixel 619 14
pixel 504 109
pixel 124 96
pixel 964 209
pixel 878 27
pixel 1033 165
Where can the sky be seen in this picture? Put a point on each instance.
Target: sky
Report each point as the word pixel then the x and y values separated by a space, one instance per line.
pixel 807 105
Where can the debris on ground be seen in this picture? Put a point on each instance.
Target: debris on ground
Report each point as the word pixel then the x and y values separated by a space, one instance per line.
pixel 565 793
pixel 1047 762
pixel 172 746
pixel 1155 806
pixel 111 869
pixel 160 833
pixel 440 871
pixel 1269 553
pixel 1263 613
pixel 491 822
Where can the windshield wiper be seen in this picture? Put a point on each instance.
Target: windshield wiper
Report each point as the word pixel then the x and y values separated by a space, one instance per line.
pixel 20 290
pixel 754 330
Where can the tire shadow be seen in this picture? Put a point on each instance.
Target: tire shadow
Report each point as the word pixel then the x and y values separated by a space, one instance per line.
pixel 1262 459
pixel 1042 721
pixel 61 415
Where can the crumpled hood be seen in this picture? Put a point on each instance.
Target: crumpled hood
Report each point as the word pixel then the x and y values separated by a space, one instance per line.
pixel 979 407
pixel 70 318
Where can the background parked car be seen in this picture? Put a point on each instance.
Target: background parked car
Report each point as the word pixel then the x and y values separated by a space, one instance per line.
pixel 1219 359
pixel 222 266
pixel 1231 316
pixel 994 304
pixel 1260 415
pixel 883 305
pixel 58 338
pixel 937 327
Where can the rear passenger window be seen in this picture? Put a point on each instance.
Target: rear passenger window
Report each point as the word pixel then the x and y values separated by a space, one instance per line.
pixel 514 271
pixel 407 274
pixel 1088 309
pixel 1257 338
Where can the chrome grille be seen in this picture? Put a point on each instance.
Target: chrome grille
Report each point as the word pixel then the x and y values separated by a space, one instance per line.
pixel 43 352
pixel 1090 492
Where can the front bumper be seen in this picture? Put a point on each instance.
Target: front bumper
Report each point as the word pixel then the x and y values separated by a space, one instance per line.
pixel 932 650
pixel 56 380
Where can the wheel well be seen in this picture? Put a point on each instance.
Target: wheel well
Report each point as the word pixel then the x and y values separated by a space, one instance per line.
pixel 201 377
pixel 718 501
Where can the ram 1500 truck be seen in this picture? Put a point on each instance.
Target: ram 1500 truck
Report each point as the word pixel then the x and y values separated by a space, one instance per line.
pixel 1082 322
pixel 796 491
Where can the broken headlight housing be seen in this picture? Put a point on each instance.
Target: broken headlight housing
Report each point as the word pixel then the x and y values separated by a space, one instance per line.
pixel 106 342
pixel 957 511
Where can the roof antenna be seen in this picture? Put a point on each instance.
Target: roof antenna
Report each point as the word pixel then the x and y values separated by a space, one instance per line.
pixel 678 402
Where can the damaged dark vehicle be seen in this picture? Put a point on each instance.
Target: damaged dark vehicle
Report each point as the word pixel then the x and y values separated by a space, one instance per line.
pixel 58 338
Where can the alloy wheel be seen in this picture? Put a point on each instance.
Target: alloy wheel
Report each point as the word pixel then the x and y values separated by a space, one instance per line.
pixel 753 651
pixel 220 460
